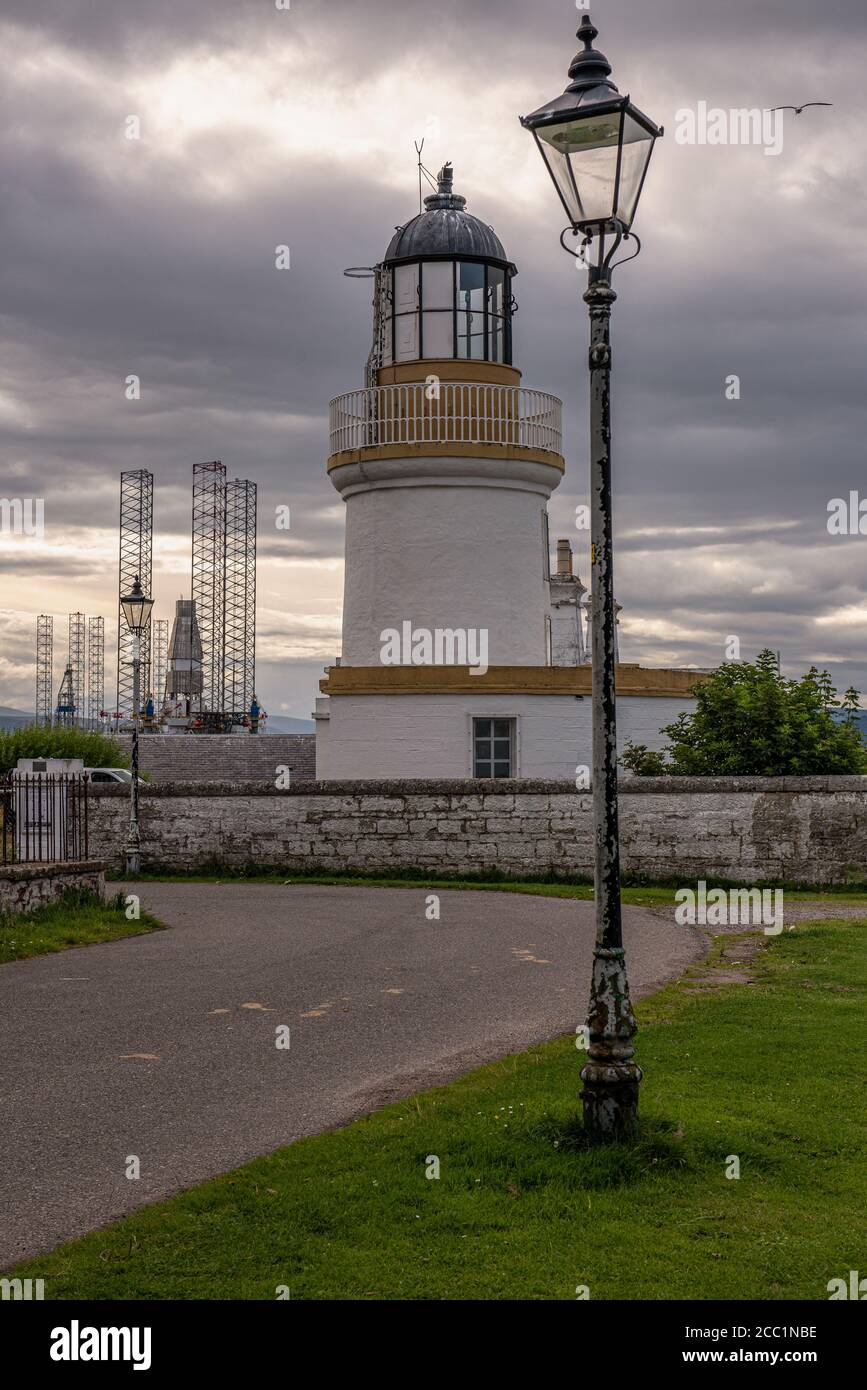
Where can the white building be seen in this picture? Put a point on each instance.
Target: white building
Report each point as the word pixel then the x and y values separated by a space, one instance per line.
pixel 463 656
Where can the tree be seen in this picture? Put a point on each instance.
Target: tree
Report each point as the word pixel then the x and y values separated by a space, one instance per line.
pixel 851 705
pixel 751 721
pixel 40 741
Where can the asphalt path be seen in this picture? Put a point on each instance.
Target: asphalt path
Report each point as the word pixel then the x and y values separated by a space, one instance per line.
pixel 164 1047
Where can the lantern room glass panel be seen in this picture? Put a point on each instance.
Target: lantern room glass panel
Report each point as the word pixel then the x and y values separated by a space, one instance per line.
pixel 496 290
pixel 406 288
pixel 471 286
pixel 437 299
pixel 446 309
pixel 438 284
pixel 471 310
pixel 471 336
pixel 497 340
pixel 439 334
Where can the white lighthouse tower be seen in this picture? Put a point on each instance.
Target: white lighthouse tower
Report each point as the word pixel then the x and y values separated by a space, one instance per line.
pixel 446 464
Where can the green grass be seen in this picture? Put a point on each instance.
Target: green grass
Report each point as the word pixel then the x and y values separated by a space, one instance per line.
pixel 771 1071
pixel 637 893
pixel 78 919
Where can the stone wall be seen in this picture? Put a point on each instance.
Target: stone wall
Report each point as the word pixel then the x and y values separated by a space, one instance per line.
pixel 24 887
pixel 746 829
pixel 223 757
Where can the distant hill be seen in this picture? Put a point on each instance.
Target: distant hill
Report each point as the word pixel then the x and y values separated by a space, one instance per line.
pixel 281 724
pixel 14 718
pixel 860 720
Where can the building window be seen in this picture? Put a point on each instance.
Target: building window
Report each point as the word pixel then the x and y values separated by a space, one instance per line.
pixel 493 747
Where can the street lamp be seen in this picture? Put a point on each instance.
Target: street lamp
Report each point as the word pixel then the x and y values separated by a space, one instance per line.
pixel 597 147
pixel 136 608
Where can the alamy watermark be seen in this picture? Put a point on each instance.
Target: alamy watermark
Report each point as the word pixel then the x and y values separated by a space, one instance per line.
pixel 22 1290
pixel 847 517
pixel 77 1343
pixel 740 126
pixel 737 907
pixel 440 646
pixel 856 1287
pixel 22 516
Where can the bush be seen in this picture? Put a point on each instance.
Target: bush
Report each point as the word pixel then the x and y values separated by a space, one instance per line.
pixel 38 741
pixel 643 762
pixel 750 721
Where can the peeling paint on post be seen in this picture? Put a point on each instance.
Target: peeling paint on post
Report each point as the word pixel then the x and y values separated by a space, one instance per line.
pixel 610 1077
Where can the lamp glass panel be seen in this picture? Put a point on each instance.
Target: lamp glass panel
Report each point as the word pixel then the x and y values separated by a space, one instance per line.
pixel 137 611
pixel 637 148
pixel 559 167
pixel 588 148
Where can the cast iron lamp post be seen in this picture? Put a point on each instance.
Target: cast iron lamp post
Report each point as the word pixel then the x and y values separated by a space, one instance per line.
pixel 597 146
pixel 136 607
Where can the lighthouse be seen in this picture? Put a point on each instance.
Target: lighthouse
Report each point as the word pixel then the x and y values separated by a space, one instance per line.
pixel 452 664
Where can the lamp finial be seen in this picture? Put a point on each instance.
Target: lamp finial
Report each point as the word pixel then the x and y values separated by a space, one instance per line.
pixel 589 68
pixel 587 31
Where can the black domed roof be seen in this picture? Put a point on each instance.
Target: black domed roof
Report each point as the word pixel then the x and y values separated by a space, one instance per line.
pixel 446 229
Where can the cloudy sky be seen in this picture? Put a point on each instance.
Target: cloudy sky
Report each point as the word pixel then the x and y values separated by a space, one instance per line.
pixel 262 126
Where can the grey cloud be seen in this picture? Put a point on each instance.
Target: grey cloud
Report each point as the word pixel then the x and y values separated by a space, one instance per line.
pixel 102 276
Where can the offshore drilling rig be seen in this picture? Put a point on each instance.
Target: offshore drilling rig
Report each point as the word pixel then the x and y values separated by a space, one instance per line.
pixel 203 675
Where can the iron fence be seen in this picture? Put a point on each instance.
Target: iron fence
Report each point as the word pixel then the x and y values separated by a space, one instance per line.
pixel 43 818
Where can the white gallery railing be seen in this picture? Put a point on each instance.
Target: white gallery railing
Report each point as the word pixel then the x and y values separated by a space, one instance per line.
pixel 452 412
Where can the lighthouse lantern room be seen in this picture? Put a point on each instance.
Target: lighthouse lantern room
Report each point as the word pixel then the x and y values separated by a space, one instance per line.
pixel 445 287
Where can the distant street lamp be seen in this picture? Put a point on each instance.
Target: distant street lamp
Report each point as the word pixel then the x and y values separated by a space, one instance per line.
pixel 597 147
pixel 136 608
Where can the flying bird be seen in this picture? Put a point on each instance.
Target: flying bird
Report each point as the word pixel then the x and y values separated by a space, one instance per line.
pixel 798 109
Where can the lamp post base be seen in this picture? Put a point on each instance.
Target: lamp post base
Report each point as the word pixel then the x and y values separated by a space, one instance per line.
pixel 133 851
pixel 611 1078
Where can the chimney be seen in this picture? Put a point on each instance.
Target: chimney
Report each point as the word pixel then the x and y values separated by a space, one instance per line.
pixel 564 559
